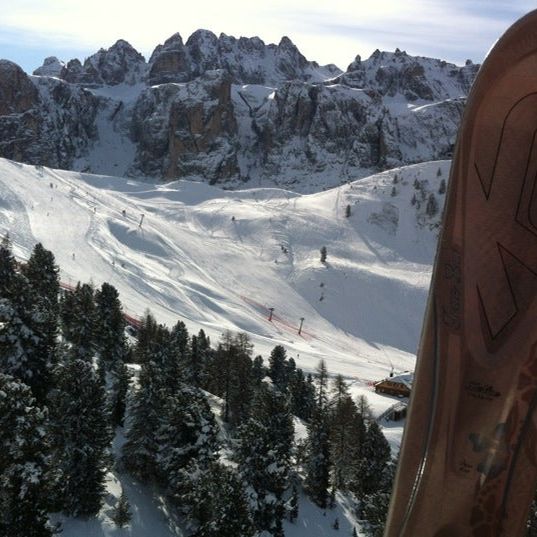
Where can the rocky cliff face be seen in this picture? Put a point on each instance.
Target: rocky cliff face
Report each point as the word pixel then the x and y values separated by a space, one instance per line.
pixel 185 130
pixel 43 121
pixel 232 111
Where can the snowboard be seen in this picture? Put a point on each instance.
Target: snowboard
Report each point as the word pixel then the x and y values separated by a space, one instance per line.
pixel 468 465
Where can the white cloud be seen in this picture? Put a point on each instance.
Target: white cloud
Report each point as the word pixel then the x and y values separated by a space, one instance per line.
pixel 327 32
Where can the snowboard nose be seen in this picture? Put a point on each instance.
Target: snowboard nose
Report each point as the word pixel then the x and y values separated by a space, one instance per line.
pixel 468 463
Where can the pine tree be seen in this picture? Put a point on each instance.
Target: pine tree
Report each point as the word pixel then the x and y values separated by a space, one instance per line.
pixel 317 465
pixel 146 334
pixel 122 514
pixel 24 350
pixel 187 431
pixel 120 381
pixel 214 499
pixel 375 506
pixel 340 391
pixel 374 510
pixel 259 371
pixel 7 268
pixel 24 462
pixel 363 407
pixel 413 200
pixel 432 205
pixel 180 351
pixel 277 370
pixel 42 274
pixel 263 454
pixel 322 386
pixel 78 316
pixel 442 187
pixel 232 376
pixel 346 436
pixel 141 447
pixel 110 326
pixel 302 395
pixel 394 191
pixel 81 428
pixel 324 253
pixel 375 455
pixel 347 211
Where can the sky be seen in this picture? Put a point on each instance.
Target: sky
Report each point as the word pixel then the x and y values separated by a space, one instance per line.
pixel 327 32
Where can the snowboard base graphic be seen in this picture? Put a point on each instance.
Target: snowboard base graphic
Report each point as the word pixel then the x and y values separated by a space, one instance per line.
pixel 468 464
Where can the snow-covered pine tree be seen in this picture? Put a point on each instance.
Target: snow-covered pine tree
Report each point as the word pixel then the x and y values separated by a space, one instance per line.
pixel 231 371
pixel 197 359
pixel 78 317
pixel 432 205
pixel 43 276
pixel 277 370
pixel 82 433
pixel 141 448
pixel 24 352
pixel 112 345
pixel 375 455
pixel 374 510
pixel 259 371
pixel 317 464
pixel 180 351
pixel 346 436
pixel 24 462
pixel 117 396
pixel 139 453
pixel 7 268
pixel 322 386
pixel 109 326
pixel 302 395
pixel 194 363
pixel 187 431
pixel 364 409
pixel 146 334
pixel 290 369
pixel 263 453
pixel 215 501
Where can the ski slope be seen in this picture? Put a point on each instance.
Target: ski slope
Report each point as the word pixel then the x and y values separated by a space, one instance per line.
pixel 219 259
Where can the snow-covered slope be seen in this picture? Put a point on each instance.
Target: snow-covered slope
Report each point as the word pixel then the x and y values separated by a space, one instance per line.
pixel 219 259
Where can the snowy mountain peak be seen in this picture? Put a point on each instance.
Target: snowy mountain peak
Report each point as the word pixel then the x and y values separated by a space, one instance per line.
pixel 119 64
pixel 52 66
pixel 233 111
pixel 412 77
pixel 203 39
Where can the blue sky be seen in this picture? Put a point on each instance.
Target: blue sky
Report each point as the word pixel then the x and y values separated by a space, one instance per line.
pixel 328 32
